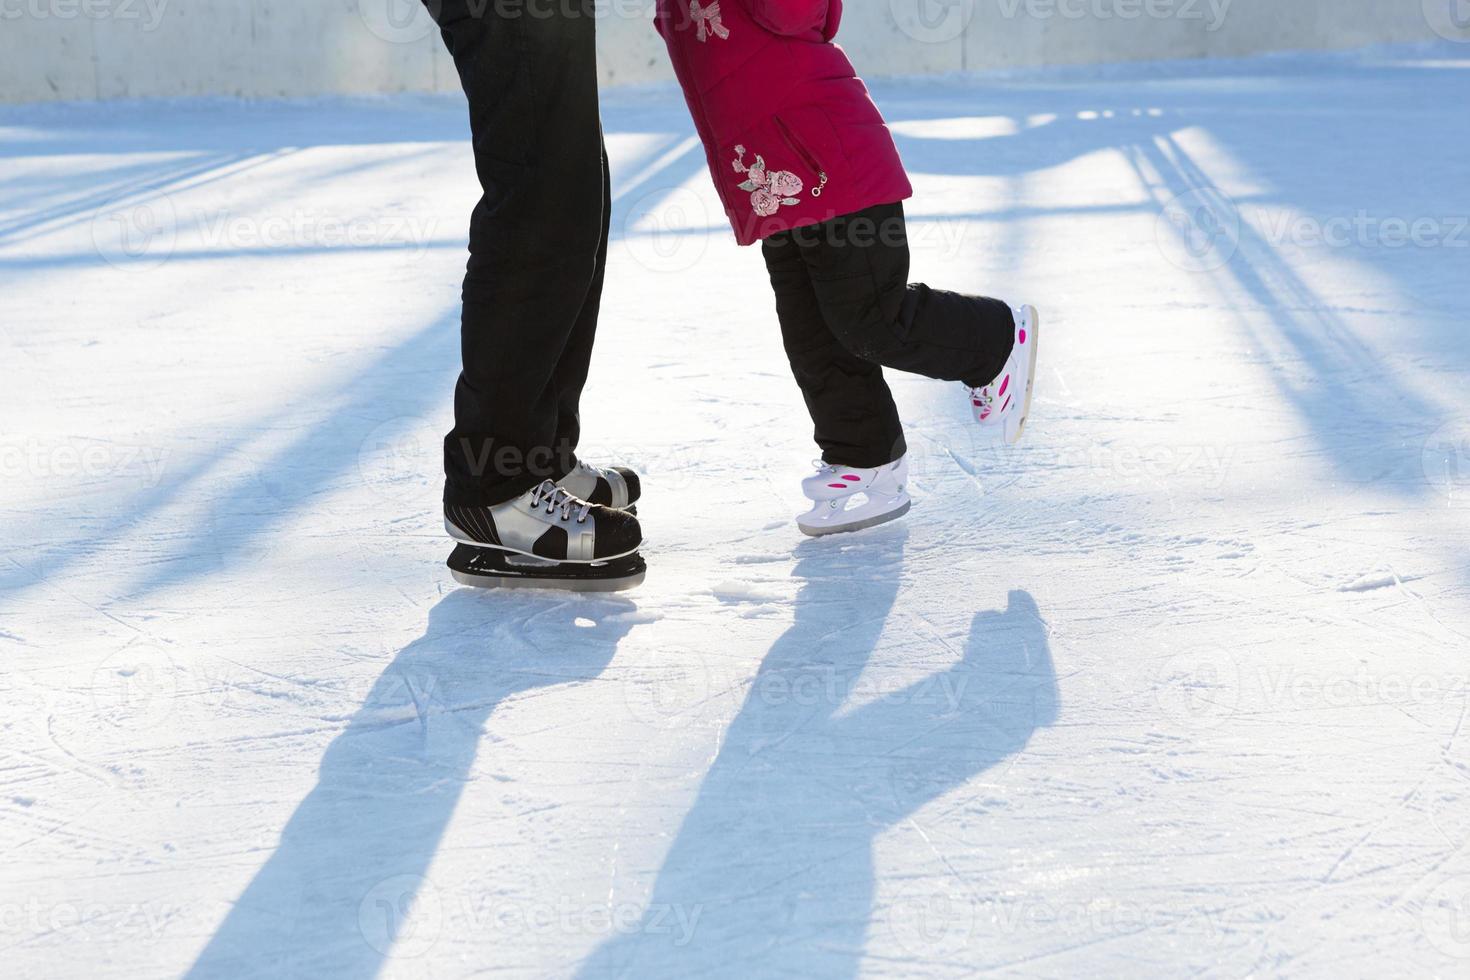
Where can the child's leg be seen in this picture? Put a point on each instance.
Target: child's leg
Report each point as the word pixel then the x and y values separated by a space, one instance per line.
pixel 856 420
pixel 859 268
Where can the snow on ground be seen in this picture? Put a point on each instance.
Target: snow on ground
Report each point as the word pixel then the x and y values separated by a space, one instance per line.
pixel 1176 687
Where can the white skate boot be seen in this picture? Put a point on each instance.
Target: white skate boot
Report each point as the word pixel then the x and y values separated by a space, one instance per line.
pixel 845 498
pixel 1005 403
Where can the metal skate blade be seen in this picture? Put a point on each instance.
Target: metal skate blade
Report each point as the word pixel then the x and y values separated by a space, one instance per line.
pixel 487 568
pixel 621 584
pixel 874 521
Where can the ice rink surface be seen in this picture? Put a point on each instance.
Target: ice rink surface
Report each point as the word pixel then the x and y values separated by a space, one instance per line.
pixel 1177 687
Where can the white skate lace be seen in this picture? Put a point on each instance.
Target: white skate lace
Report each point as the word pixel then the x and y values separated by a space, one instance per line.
pixel 554 498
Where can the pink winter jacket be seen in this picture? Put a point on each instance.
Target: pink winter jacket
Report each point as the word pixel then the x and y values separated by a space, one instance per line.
pixel 792 136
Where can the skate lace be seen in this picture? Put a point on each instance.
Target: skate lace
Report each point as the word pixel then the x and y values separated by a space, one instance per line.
pixel 554 498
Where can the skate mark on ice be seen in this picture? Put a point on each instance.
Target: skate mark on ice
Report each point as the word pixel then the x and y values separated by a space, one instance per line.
pixel 1376 581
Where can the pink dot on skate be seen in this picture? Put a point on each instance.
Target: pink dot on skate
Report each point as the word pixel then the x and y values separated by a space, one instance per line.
pixel 1003 386
pixel 1006 405
pixel 1022 341
pixel 838 486
pixel 849 476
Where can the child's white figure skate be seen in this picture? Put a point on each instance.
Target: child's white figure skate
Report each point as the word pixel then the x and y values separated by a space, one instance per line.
pixel 845 498
pixel 1005 403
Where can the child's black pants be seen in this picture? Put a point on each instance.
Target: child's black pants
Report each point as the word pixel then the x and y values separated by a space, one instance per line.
pixel 847 310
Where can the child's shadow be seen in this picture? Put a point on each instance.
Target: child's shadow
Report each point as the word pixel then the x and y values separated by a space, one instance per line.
pixel 772 873
pixel 336 894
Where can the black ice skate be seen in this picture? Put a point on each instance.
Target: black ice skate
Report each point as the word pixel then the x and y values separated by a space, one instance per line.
pixel 545 538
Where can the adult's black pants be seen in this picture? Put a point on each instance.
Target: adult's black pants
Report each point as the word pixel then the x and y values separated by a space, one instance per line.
pixel 538 241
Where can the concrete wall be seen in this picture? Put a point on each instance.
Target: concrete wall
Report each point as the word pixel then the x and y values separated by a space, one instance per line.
pixel 88 49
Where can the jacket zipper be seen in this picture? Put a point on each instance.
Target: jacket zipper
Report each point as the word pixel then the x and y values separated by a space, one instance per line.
pixel 800 150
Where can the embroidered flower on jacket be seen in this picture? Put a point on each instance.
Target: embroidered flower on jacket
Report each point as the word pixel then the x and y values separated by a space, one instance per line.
pixel 708 19
pixel 784 183
pixel 768 190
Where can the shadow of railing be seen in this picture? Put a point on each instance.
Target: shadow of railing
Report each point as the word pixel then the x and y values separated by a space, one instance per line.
pixel 1364 419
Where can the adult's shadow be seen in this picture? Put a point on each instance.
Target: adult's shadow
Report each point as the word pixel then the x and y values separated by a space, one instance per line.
pixel 335 897
pixel 772 871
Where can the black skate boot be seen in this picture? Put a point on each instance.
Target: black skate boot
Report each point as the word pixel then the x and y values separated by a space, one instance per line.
pixel 612 486
pixel 545 538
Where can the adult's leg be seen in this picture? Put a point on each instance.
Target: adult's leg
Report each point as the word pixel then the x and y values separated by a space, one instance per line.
pixel 859 267
pixel 856 421
pixel 571 371
pixel 537 241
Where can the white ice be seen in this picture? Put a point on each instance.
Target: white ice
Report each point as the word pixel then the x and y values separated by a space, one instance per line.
pixel 1176 687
